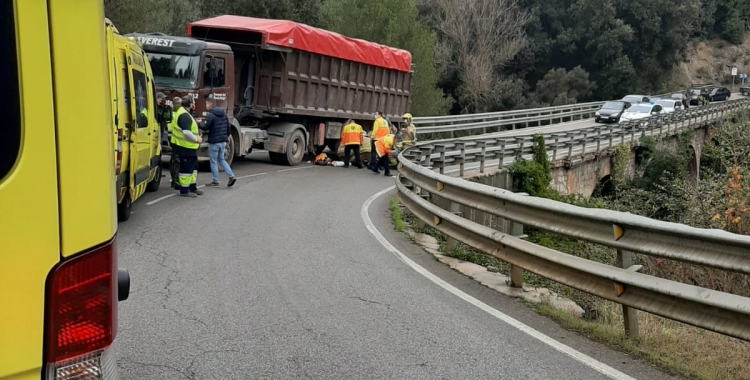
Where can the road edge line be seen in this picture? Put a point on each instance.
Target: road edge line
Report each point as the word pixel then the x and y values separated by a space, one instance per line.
pixel 560 347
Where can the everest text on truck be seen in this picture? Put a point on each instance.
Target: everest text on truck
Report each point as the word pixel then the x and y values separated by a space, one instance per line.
pixel 286 87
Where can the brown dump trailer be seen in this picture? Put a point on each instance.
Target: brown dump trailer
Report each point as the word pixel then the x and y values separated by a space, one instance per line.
pixel 287 87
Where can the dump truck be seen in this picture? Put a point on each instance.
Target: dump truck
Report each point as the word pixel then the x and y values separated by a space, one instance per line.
pixel 135 132
pixel 287 87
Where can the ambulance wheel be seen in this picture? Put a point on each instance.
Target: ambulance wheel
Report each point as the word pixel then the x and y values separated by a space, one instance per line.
pixel 154 184
pixel 124 208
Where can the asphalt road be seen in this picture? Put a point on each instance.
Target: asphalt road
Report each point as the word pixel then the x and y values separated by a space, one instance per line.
pixel 299 274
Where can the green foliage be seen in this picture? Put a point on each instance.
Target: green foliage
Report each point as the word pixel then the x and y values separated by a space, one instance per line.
pixel 394 23
pixel 533 177
pixel 619 163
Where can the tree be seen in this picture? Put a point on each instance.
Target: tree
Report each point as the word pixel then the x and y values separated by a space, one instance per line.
pixel 559 87
pixel 477 39
pixel 394 23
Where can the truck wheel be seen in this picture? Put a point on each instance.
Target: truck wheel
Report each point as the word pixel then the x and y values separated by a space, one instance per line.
pixel 229 151
pixel 154 184
pixel 295 149
pixel 124 208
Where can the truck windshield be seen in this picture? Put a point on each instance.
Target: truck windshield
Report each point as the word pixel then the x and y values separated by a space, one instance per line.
pixel 175 70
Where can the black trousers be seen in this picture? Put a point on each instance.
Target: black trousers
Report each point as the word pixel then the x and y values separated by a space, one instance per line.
pixel 385 162
pixel 348 150
pixel 373 155
pixel 174 169
pixel 188 174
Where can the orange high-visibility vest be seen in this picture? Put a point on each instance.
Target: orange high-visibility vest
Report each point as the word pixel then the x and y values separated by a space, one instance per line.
pixel 380 129
pixel 384 146
pixel 351 134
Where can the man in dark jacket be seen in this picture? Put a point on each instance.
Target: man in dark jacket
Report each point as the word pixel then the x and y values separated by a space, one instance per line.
pixel 217 126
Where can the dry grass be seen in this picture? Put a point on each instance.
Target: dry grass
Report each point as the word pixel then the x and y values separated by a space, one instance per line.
pixel 676 347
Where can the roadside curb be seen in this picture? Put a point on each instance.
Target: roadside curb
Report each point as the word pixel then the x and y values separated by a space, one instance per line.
pixel 493 280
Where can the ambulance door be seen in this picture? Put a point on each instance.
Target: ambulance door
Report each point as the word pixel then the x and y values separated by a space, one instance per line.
pixel 140 141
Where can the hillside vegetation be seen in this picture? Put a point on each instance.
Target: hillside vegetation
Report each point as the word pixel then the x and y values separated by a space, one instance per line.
pixel 485 55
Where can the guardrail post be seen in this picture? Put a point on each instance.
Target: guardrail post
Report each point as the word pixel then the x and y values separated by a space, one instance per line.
pixel 441 149
pixel 502 155
pixel 583 146
pixel 598 139
pixel 554 150
pixel 427 154
pixel 461 146
pixel 630 315
pixel 452 243
pixel 482 144
pixel 570 146
pixel 632 132
pixel 611 133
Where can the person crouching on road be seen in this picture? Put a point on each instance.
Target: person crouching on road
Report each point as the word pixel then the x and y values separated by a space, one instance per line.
pixel 186 142
pixel 379 130
pixel 383 148
pixel 217 126
pixel 351 138
pixel 174 159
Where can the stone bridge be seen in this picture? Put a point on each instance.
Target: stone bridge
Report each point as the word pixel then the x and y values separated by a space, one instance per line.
pixel 581 175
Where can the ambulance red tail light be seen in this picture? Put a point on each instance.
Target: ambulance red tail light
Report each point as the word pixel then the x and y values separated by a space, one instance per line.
pixel 81 316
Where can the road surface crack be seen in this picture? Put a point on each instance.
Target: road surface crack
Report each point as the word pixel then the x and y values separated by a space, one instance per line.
pixel 387 305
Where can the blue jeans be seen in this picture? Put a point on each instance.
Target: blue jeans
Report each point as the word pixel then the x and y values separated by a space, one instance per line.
pixel 216 153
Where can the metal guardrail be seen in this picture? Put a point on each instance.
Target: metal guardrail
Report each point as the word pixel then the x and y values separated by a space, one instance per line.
pixel 713 310
pixel 453 123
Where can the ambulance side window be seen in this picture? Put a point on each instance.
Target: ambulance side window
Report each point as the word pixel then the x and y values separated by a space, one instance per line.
pixel 10 128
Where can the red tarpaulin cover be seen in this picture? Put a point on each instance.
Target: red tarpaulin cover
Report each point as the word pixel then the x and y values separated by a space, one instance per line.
pixel 303 37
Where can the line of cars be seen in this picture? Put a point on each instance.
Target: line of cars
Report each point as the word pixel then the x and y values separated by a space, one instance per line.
pixel 635 107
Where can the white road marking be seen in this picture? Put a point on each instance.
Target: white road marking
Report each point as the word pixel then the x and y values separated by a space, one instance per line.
pixel 251 175
pixel 300 168
pixel 575 354
pixel 161 199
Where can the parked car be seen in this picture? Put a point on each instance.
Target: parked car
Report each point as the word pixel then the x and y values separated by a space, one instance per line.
pixel 681 97
pixel 611 111
pixel 641 111
pixel 697 93
pixel 670 105
pixel 719 93
pixel 634 99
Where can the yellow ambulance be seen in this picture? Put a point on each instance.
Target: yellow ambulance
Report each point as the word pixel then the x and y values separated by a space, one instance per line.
pixel 59 282
pixel 137 135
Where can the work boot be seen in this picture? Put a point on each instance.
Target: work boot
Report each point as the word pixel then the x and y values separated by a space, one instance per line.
pixel 188 195
pixel 212 184
pixel 197 192
pixel 231 182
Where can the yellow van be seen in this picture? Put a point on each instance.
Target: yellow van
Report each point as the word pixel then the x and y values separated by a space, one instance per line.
pixel 59 283
pixel 137 135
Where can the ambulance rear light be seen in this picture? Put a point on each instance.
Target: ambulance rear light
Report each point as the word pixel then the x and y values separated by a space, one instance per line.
pixel 81 316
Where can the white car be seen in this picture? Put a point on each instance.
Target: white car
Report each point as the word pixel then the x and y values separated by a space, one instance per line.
pixel 669 105
pixel 641 111
pixel 634 99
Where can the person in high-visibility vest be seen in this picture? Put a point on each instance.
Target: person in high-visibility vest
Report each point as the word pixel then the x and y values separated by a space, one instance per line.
pixel 187 139
pixel 174 159
pixel 383 148
pixel 380 129
pixel 409 131
pixel 351 139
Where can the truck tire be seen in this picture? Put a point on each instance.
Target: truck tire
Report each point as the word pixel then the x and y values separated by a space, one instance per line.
pixel 154 184
pixel 295 149
pixel 124 208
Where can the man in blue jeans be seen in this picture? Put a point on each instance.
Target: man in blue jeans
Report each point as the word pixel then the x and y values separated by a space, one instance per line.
pixel 217 126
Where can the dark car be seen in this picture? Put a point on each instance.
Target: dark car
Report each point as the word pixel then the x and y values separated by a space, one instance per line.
pixel 695 95
pixel 718 93
pixel 611 111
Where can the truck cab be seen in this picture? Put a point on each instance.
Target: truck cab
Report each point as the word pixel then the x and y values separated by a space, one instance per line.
pixel 59 278
pixel 187 67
